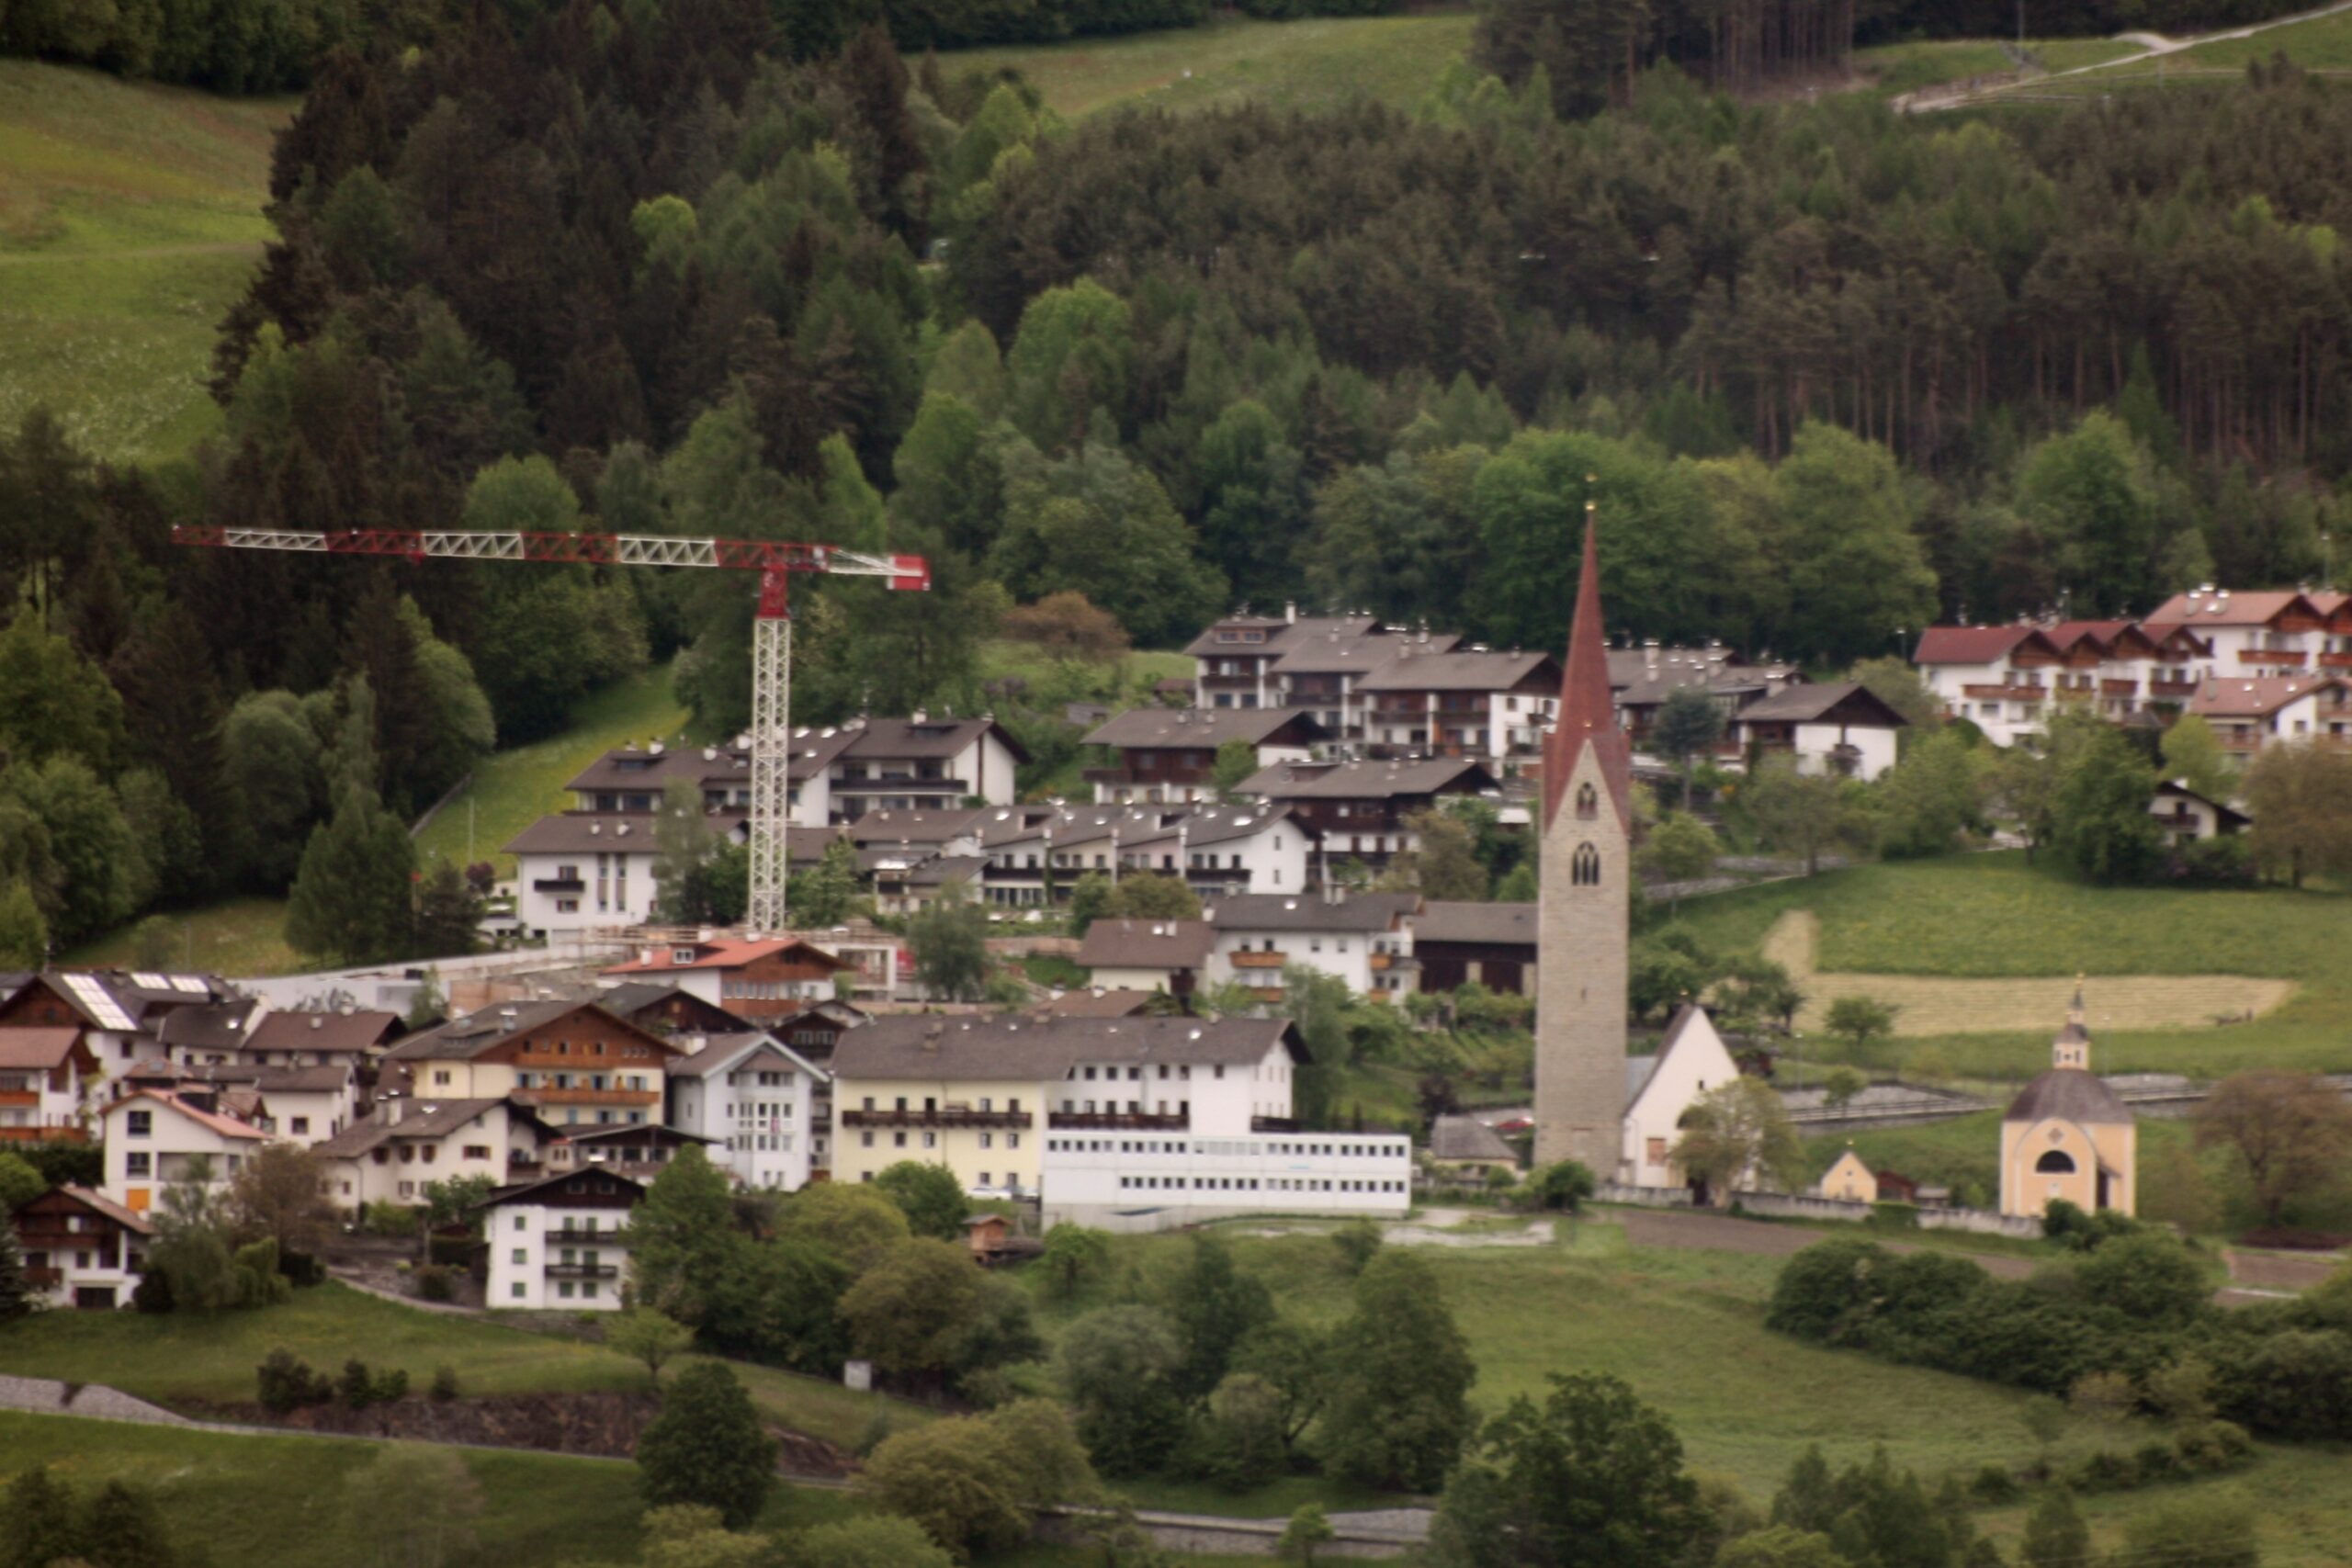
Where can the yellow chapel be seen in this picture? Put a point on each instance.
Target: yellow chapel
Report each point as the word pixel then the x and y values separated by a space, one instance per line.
pixel 2068 1136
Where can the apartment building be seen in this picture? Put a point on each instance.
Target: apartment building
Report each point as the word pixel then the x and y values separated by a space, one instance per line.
pixel 81 1248
pixel 405 1143
pixel 758 981
pixel 1362 938
pixel 48 1077
pixel 560 1243
pixel 2248 714
pixel 571 1061
pixel 1167 756
pixel 755 1101
pixel 153 1139
pixel 1359 810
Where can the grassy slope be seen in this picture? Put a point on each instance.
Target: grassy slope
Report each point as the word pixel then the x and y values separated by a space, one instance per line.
pixel 185 1357
pixel 1990 915
pixel 1907 67
pixel 1303 65
pixel 239 936
pixel 130 217
pixel 516 787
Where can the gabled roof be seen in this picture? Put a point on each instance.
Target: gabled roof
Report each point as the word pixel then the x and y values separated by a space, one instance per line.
pixel 429 1121
pixel 586 833
pixel 932 739
pixel 42 1049
pixel 1367 780
pixel 1460 670
pixel 209 1026
pixel 915 826
pixel 1588 712
pixel 1019 1048
pixel 1850 701
pixel 628 1191
pixel 2173 789
pixel 1145 944
pixel 1492 925
pixel 1205 727
pixel 1097 1002
pixel 2222 608
pixel 1977 645
pixel 2258 696
pixel 227 1126
pixel 1225 824
pixel 265 1080
pixel 1691 1026
pixel 723 1052
pixel 728 954
pixel 1466 1138
pixel 99 1203
pixel 462 1039
pixel 1343 653
pixel 1281 632
pixel 2102 635
pixel 634 997
pixel 1311 912
pixel 351 1032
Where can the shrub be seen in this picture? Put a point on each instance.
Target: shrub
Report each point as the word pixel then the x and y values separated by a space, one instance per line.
pixel 450 1251
pixel 432 1283
pixel 153 1293
pixel 2209 1447
pixel 356 1387
pixel 2106 1471
pixel 1895 1216
pixel 394 1220
pixel 1357 1241
pixel 445 1383
pixel 285 1382
pixel 301 1270
pixel 2149 1277
pixel 2070 1228
pixel 1995 1483
pixel 391 1386
pixel 2156 1461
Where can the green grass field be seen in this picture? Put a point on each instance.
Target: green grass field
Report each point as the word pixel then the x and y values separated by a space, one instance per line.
pixel 1307 64
pixel 1991 916
pixel 515 787
pixel 130 218
pixel 186 1357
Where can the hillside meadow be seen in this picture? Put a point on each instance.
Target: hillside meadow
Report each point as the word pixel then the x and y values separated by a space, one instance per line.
pixel 1993 916
pixel 131 215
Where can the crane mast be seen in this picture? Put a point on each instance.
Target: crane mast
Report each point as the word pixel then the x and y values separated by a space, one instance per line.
pixel 774 560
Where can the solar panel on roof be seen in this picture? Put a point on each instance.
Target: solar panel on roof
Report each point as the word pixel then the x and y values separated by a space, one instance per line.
pixel 100 1002
pixel 151 982
pixel 195 983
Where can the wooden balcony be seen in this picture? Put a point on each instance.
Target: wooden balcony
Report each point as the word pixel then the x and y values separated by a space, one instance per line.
pixel 20 1096
pixel 2336 660
pixel 2120 688
pixel 1258 958
pixel 44 1279
pixel 574 1237
pixel 547 1094
pixel 583 1272
pixel 2288 658
pixel 1380 961
pixel 2171 690
pixel 2006 694
pixel 1015 1120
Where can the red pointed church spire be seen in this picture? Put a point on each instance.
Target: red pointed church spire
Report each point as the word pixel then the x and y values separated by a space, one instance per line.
pixel 1588 715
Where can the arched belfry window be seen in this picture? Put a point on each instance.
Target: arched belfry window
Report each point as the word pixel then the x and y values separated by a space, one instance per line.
pixel 2057 1162
pixel 1585 870
pixel 1587 802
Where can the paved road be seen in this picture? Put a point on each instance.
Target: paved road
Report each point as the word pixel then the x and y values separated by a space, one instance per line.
pixel 1944 96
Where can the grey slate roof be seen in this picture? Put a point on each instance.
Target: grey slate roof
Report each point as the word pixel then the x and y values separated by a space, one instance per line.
pixel 1146 944
pixel 1799 705
pixel 1487 924
pixel 463 1038
pixel 1367 781
pixel 1460 670
pixel 2069 1094
pixel 1205 727
pixel 430 1119
pixel 1311 912
pixel 1016 1048
pixel 1468 1138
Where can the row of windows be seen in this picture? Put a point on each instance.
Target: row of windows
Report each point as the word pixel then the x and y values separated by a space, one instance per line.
pixel 1249 1184
pixel 1184 1070
pixel 931 1140
pixel 1391 1149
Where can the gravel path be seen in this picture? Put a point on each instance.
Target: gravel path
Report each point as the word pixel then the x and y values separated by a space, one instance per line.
pixel 47 1396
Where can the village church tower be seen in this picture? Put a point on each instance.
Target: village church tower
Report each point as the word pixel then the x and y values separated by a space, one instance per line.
pixel 1582 918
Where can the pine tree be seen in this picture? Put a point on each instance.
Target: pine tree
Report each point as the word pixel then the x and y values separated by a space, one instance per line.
pixel 24 936
pixel 350 901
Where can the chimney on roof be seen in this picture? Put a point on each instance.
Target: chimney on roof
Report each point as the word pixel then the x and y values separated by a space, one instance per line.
pixel 317 1022
pixel 506 1019
pixel 932 1032
pixel 1649 654
pixel 919 717
pixel 1290 612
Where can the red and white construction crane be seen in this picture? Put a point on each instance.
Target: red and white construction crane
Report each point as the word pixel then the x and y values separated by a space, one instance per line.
pixel 771 734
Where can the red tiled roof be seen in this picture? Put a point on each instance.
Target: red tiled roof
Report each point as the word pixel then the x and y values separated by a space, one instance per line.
pixel 2226 609
pixel 1972 645
pixel 44 1047
pixel 2253 696
pixel 1588 714
pixel 724 956
pixel 227 1126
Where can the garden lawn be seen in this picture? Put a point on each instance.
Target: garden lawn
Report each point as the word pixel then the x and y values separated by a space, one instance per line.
pixel 515 787
pixel 1309 64
pixel 235 937
pixel 1991 916
pixel 131 217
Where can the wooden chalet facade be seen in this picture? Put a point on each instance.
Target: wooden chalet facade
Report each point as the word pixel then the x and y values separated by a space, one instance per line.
pixel 80 1248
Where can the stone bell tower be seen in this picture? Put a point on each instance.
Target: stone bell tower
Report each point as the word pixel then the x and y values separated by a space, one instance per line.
pixel 1583 920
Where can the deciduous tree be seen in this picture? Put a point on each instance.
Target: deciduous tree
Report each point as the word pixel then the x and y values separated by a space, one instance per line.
pixel 1398 1409
pixel 2301 798
pixel 1738 1131
pixel 278 1193
pixel 708 1447
pixel 930 1195
pixel 2290 1131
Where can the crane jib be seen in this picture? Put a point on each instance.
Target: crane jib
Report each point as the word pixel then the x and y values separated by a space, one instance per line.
pixel 560 548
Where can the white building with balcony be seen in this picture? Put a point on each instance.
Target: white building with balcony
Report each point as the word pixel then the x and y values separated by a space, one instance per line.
pixel 1357 938
pixel 560 1243
pixel 47 1075
pixel 2248 714
pixel 755 1100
